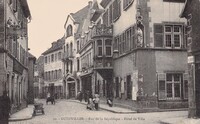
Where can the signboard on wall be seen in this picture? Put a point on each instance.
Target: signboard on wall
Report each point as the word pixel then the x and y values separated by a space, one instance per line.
pixel 135 84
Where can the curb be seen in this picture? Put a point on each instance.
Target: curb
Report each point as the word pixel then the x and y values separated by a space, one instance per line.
pixel 106 109
pixel 20 119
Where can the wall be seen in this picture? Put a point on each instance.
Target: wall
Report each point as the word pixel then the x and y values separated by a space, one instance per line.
pixel 160 11
pixel 127 18
pixel 171 61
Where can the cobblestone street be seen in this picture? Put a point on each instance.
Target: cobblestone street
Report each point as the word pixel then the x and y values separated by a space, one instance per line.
pixel 65 111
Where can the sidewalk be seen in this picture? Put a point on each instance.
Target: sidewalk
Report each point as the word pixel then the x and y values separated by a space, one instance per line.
pixel 180 120
pixel 113 109
pixel 23 114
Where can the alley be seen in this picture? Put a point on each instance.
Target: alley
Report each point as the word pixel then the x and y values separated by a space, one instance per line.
pixel 66 111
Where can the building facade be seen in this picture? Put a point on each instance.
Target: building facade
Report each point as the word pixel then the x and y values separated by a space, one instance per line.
pixel 31 70
pixel 39 78
pixel 15 16
pixel 53 69
pixel 191 13
pixel 148 64
pixel 74 26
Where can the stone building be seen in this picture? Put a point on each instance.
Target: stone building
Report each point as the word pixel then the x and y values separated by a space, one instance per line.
pixel 31 70
pixel 74 26
pixel 149 52
pixel 39 78
pixel 191 13
pixel 15 16
pixel 53 69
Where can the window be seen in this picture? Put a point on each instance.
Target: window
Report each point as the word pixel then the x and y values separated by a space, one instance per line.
pixel 115 45
pixel 67 50
pixel 169 36
pixel 128 39
pixel 110 14
pixel 173 83
pixel 127 3
pixel 173 36
pixel 108 44
pixel 52 57
pixel 172 87
pixel 99 48
pixel 69 31
pixel 105 18
pixel 59 56
pixel 116 9
pixel 78 46
pixel 133 37
pixel 78 65
pixel 71 49
pixel 45 59
pixel 56 56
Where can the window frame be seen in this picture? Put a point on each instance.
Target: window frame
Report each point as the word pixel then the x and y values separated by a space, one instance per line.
pixel 172 34
pixel 108 46
pixel 173 82
pixel 100 46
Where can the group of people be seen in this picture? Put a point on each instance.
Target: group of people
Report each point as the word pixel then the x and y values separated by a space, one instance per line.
pixel 5 107
pixel 93 101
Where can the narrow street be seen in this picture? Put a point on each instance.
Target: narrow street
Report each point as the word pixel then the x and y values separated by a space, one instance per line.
pixel 70 112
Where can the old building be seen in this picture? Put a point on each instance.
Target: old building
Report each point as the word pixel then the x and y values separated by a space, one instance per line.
pixel 15 16
pixel 53 69
pixel 191 13
pixel 74 26
pixel 39 78
pixel 149 52
pixel 31 70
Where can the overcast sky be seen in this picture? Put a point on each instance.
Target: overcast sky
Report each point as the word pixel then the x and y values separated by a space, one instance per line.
pixel 48 18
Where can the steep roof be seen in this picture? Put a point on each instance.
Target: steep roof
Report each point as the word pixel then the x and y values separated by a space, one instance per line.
pixel 55 46
pixel 186 8
pixel 25 8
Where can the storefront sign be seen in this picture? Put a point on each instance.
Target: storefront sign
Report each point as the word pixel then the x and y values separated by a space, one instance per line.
pixel 190 59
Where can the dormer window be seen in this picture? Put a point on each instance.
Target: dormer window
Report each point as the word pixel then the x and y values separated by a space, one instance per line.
pixel 69 31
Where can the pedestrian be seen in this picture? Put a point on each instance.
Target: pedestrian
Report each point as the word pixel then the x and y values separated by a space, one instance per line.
pixel 5 107
pixel 96 101
pixel 110 101
pixel 80 96
pixel 90 104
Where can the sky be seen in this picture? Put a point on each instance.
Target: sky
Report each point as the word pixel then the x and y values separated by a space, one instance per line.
pixel 47 24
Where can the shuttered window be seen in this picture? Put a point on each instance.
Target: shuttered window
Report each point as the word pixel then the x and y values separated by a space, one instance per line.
pixel 116 9
pixel 158 35
pixel 185 85
pixel 161 86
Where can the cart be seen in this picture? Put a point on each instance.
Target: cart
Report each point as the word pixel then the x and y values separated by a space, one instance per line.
pixel 38 108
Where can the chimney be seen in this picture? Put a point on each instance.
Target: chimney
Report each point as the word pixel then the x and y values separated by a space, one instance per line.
pixel 53 44
pixel 90 4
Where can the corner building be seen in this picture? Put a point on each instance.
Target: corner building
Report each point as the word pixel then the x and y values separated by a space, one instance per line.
pixel 149 53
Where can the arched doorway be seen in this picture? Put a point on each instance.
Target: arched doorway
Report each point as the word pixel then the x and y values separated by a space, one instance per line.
pixel 71 87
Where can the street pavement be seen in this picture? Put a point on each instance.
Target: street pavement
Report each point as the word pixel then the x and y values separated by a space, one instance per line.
pixel 74 112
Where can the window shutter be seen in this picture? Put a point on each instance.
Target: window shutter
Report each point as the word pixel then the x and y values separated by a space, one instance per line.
pixel 161 86
pixel 158 35
pixel 185 85
pixel 185 37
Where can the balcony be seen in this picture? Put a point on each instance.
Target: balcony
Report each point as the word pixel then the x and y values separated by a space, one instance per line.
pixel 103 63
pixel 67 57
pixel 102 31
